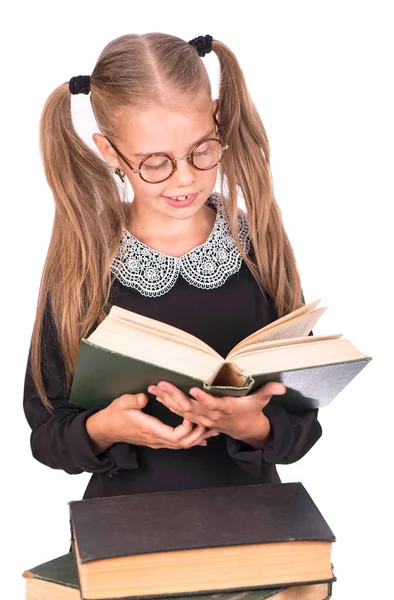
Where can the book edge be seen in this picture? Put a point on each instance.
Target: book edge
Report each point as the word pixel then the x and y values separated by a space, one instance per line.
pixel 365 359
pixel 280 588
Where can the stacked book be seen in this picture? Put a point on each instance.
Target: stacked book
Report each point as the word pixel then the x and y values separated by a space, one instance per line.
pixel 229 543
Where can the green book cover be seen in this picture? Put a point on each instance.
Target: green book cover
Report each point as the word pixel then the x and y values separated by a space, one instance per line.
pixel 102 375
pixel 61 572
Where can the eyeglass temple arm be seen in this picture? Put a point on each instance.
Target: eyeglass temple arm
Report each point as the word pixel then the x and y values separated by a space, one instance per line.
pixel 118 152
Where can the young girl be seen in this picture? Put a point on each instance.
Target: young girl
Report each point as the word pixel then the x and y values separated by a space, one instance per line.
pixel 179 252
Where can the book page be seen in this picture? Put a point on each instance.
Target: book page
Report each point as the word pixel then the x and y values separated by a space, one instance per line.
pixel 163 351
pixel 200 347
pixel 298 326
pixel 260 346
pixel 313 352
pixel 131 320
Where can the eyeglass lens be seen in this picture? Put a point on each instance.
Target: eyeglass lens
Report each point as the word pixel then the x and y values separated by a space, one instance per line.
pixel 204 157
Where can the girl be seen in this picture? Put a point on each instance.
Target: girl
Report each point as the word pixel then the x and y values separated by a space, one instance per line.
pixel 179 252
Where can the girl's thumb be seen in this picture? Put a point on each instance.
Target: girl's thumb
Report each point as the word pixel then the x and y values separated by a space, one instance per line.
pixel 274 388
pixel 135 401
pixel 140 400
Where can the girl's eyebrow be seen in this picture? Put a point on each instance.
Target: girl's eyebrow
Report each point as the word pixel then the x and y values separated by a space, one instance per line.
pixel 143 154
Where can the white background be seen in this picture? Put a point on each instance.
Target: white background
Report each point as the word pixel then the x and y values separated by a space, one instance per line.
pixel 320 74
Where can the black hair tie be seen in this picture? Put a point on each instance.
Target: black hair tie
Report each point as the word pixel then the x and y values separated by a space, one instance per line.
pixel 203 44
pixel 79 84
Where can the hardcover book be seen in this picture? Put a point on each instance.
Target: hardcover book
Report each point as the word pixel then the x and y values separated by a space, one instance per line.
pixel 128 352
pixel 57 579
pixel 200 541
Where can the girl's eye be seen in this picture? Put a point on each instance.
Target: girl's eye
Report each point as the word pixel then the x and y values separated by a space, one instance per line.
pixel 204 150
pixel 155 167
pixel 156 163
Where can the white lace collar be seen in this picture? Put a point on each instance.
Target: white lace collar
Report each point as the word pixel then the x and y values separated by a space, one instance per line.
pixel 208 266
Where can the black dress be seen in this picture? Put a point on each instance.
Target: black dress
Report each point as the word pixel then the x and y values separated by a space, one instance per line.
pixel 220 316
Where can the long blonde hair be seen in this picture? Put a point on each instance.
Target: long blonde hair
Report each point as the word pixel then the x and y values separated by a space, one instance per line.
pixel 89 212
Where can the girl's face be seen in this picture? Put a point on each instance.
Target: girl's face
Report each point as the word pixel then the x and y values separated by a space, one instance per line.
pixel 174 132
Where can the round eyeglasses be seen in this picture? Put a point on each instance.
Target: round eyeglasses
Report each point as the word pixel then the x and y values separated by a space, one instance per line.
pixel 158 167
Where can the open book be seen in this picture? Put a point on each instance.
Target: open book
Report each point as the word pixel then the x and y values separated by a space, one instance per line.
pixel 128 352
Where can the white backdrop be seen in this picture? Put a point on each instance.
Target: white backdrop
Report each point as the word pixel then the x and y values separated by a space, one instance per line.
pixel 320 74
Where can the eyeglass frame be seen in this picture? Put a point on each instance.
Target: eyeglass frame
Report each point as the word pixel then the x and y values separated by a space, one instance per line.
pixel 188 157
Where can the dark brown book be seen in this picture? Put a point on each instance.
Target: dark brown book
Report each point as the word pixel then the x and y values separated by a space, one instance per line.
pixel 200 541
pixel 57 580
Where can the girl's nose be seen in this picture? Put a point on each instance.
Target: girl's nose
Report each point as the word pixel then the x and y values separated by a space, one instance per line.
pixel 185 173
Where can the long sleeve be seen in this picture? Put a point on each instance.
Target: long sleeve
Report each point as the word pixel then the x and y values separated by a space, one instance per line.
pixel 292 436
pixel 59 438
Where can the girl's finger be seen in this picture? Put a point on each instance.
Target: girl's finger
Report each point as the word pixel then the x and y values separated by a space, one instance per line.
pixel 204 439
pixel 197 432
pixel 197 436
pixel 200 419
pixel 272 388
pixel 205 404
pixel 204 399
pixel 182 431
pixel 172 397
pixel 167 435
pixel 275 388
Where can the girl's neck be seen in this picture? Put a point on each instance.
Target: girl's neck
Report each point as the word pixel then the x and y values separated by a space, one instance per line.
pixel 174 237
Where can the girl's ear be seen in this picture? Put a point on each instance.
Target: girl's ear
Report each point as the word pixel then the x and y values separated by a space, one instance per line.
pixel 215 107
pixel 106 150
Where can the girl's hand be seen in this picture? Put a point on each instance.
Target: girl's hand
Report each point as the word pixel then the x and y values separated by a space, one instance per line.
pixel 124 421
pixel 241 418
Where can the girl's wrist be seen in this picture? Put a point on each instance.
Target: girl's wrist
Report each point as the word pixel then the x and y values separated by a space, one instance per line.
pixel 259 434
pixel 99 431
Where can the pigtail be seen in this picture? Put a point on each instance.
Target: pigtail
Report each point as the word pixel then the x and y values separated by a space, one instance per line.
pixel 87 226
pixel 246 168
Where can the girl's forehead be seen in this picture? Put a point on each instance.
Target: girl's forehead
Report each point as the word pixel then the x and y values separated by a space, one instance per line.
pixel 162 129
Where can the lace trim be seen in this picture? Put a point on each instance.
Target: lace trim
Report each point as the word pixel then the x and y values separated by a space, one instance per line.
pixel 208 266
